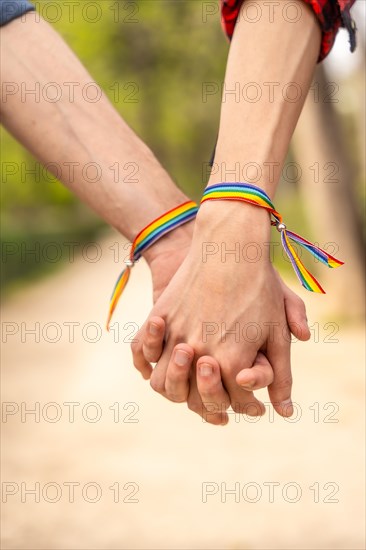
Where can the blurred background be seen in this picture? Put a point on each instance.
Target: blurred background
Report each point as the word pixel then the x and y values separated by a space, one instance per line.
pixel 111 464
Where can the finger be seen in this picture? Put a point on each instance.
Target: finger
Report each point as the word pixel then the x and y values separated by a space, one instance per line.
pixel 278 353
pixel 153 341
pixel 158 375
pixel 257 377
pixel 138 358
pixel 194 401
pixel 213 394
pixel 296 315
pixel 242 401
pixel 178 373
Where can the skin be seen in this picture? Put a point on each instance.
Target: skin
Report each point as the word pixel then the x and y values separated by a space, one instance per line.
pixel 79 132
pixel 231 293
pixel 185 380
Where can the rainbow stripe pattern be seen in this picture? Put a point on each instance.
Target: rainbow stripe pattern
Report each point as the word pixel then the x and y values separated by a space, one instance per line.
pixel 146 238
pixel 255 195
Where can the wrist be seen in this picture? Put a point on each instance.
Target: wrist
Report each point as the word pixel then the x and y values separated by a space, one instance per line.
pixel 177 239
pixel 231 233
pixel 230 217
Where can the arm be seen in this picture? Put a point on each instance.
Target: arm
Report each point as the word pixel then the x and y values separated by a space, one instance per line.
pixel 279 57
pixel 74 133
pixel 74 130
pixel 231 292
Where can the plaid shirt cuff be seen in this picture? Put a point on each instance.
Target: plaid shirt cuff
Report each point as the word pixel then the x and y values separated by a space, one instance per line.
pixel 331 14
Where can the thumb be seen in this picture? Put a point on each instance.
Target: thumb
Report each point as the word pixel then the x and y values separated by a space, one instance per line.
pixel 278 353
pixel 260 375
pixel 296 314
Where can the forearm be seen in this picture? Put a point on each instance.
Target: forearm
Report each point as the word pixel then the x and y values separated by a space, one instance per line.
pixel 270 66
pixel 73 132
pixel 254 136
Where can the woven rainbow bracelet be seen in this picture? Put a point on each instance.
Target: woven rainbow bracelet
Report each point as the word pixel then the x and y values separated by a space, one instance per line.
pixel 147 237
pixel 255 195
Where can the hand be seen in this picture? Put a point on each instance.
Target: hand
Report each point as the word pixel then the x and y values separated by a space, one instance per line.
pixel 166 256
pixel 164 259
pixel 178 384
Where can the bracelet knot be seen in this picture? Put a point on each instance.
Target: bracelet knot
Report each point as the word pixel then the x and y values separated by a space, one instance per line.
pixel 147 237
pixel 252 194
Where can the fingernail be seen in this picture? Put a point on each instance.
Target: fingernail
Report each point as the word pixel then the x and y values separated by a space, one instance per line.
pixel 248 385
pixel 287 406
pixel 205 369
pixel 181 358
pixel 225 421
pixel 153 329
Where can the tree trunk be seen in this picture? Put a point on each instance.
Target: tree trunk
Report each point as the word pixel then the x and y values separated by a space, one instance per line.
pixel 328 188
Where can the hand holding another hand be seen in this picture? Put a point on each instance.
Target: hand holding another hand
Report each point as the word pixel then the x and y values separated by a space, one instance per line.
pixel 223 319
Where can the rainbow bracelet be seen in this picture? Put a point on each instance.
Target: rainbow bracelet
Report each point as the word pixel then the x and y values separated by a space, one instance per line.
pixel 255 195
pixel 147 237
pixel 244 192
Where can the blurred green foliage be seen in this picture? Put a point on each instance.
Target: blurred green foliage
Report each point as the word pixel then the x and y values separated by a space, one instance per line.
pixel 151 58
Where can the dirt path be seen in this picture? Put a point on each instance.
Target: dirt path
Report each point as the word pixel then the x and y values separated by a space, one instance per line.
pixel 177 482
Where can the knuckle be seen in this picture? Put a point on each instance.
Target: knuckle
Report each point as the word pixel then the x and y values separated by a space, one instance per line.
pixel 177 374
pixel 176 398
pixel 157 384
pixel 135 346
pixel 230 370
pixel 213 385
pixel 251 408
pixel 284 383
pixel 209 398
pixel 151 355
pixel 210 406
pixel 216 420
pixel 262 380
pixel 212 394
pixel 138 362
pixel 238 407
pixel 254 409
pixel 150 341
pixel 196 407
pixel 137 365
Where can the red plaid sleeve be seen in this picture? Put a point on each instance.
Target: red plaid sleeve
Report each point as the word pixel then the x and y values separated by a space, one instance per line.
pixel 331 15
